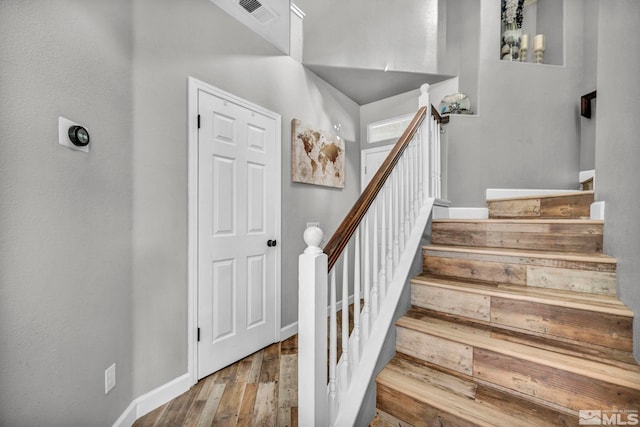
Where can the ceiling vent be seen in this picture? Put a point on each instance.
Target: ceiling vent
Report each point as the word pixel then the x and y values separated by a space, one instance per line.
pixel 259 11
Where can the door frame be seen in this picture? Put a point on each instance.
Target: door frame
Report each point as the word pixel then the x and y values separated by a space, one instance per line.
pixel 195 85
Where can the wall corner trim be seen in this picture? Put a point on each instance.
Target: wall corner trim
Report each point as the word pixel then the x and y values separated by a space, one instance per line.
pixel 146 403
pixel 295 9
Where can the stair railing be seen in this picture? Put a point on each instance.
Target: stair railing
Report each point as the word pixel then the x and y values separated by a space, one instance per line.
pixel 370 254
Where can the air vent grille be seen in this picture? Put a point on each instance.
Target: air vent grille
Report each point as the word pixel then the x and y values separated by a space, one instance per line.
pixel 250 5
pixel 258 10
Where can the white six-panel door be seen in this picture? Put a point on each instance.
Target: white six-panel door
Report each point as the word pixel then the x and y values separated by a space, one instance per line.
pixel 237 269
pixel 370 161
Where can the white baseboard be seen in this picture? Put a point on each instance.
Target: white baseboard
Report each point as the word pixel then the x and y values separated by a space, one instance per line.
pixel 146 403
pixel 174 388
pixel 128 417
pixel 288 331
pixel 460 213
pixel 597 211
pixel 507 193
pixel 585 175
pixel 161 395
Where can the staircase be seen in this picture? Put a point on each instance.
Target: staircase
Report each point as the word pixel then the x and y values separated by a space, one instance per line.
pixel 514 322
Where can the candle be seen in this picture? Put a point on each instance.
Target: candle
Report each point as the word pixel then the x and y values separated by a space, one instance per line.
pixel 524 41
pixel 538 42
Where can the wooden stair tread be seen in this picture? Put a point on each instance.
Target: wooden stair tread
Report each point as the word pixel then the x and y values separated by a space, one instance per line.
pixel 483 339
pixel 583 301
pixel 519 221
pixel 564 256
pixel 407 376
pixel 462 407
pixel 565 235
pixel 544 196
pixel 408 366
pixel 607 355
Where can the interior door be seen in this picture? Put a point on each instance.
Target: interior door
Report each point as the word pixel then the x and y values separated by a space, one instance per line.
pixel 370 162
pixel 237 256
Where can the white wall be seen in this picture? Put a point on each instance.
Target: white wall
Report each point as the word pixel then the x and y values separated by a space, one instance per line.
pixel 65 216
pixel 617 147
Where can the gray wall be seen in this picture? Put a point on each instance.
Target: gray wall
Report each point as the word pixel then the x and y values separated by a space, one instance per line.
pixel 589 80
pixel 174 40
pixel 463 46
pixel 526 133
pixel 400 105
pixel 93 248
pixel 618 147
pixel 65 216
pixel 395 106
pixel 549 22
pixel 369 34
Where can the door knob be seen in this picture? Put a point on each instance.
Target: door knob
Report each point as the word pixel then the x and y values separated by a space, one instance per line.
pixel 271 243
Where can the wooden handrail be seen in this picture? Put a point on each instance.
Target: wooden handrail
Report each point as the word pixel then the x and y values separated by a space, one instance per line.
pixel 345 231
pixel 442 120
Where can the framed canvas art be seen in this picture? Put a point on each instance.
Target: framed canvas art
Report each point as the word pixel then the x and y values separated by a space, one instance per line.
pixel 317 157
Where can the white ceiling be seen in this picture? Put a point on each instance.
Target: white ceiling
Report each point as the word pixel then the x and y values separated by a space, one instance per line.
pixel 366 85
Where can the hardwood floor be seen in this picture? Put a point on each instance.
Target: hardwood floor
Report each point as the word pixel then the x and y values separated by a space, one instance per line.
pixel 259 390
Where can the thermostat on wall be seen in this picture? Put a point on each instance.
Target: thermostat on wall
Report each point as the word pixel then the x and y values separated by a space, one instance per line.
pixel 73 135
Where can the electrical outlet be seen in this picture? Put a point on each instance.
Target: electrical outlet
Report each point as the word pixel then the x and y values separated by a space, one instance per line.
pixel 109 378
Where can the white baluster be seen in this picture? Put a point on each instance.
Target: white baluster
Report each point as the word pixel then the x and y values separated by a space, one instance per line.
pixel 396 222
pixel 375 265
pixel 420 170
pixel 434 172
pixel 438 160
pixel 382 281
pixel 389 263
pixel 407 199
pixel 412 176
pixel 355 349
pixel 401 213
pixel 312 332
pixel 333 348
pixel 344 375
pixel 416 179
pixel 367 282
pixel 425 158
pixel 424 101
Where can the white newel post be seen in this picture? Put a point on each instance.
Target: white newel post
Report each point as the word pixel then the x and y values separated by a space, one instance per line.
pixel 423 100
pixel 312 332
pixel 425 134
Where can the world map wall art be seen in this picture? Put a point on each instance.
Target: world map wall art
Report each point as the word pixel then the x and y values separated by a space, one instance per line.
pixel 317 157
